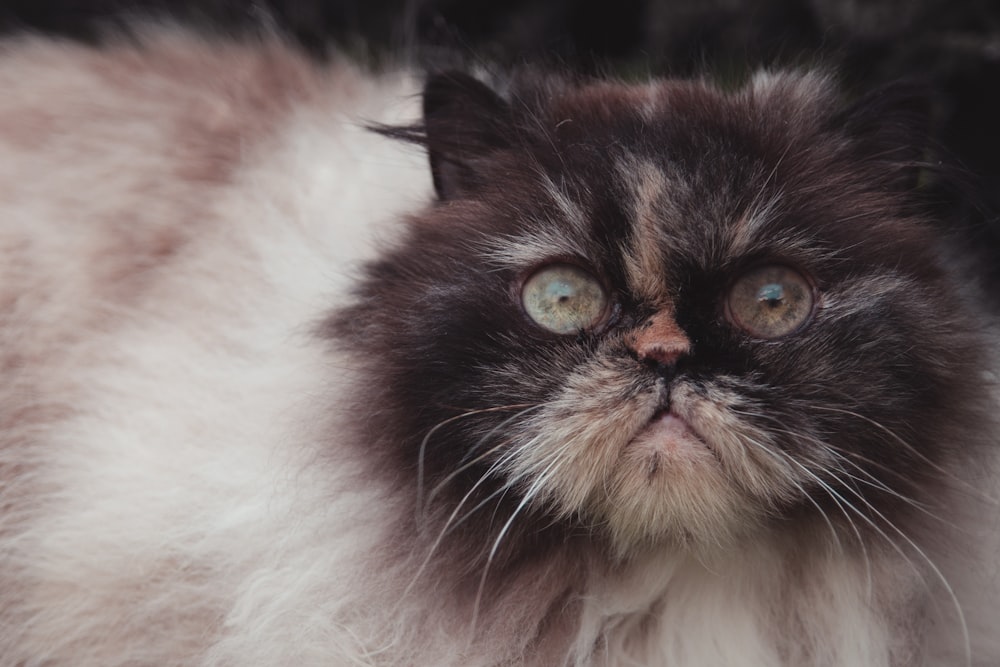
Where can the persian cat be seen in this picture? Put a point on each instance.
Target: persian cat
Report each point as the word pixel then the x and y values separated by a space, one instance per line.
pixel 662 373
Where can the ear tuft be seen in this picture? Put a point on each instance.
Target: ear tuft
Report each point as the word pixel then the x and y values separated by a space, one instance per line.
pixel 465 121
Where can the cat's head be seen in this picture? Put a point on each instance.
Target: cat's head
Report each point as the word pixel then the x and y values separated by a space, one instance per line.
pixel 665 313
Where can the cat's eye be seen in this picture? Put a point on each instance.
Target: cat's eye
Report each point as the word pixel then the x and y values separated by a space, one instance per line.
pixel 770 301
pixel 564 299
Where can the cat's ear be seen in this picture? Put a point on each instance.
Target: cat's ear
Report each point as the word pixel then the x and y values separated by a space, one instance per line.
pixel 465 121
pixel 891 128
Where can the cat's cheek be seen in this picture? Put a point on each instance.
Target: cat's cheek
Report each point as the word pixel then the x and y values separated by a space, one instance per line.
pixel 573 446
pixel 749 455
pixel 570 445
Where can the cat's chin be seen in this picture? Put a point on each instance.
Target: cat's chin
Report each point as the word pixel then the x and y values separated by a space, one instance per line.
pixel 675 464
pixel 688 472
pixel 670 486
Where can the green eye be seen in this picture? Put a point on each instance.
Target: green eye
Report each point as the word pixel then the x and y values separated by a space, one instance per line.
pixel 769 302
pixel 564 299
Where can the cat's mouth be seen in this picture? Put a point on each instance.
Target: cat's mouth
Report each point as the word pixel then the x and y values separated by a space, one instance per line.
pixel 671 436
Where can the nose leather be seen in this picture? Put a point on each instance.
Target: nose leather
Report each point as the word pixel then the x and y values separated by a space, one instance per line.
pixel 659 340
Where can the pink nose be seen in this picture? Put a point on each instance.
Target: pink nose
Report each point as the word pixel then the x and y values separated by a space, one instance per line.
pixel 659 340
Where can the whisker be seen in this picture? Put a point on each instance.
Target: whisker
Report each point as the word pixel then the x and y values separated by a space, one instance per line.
pixel 874 482
pixel 423 446
pixel 814 439
pixel 843 505
pixel 502 490
pixel 780 455
pixel 913 450
pixel 527 408
pixel 841 457
pixel 440 486
pixel 468 464
pixel 449 525
pixel 934 568
pixel 533 491
pixel 839 499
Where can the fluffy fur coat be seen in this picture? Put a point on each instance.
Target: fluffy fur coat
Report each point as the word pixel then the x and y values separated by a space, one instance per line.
pixel 195 461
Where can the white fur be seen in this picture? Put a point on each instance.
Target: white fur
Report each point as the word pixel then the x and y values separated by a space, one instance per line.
pixel 176 496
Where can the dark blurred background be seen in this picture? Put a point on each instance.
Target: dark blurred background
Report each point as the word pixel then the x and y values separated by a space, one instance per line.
pixel 952 46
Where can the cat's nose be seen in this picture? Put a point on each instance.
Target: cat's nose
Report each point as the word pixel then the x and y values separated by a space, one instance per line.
pixel 659 341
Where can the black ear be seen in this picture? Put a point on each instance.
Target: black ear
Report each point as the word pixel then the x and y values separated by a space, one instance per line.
pixel 465 121
pixel 891 128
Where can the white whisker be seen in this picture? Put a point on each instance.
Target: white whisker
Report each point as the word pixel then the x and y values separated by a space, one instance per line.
pixel 468 464
pixel 450 523
pixel 841 457
pixel 844 504
pixel 869 479
pixel 529 495
pixel 910 448
pixel 934 568
pixel 837 501
pixel 420 506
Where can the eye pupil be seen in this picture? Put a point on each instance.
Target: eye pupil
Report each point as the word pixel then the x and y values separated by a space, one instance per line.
pixel 772 294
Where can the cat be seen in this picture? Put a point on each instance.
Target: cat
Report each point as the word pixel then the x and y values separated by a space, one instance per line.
pixel 310 365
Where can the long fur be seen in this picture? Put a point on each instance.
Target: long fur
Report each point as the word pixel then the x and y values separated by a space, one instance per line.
pixel 201 465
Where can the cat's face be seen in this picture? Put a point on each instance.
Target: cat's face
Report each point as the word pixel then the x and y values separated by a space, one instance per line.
pixel 665 313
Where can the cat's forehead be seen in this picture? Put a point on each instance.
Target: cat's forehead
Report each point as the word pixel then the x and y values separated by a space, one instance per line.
pixel 665 168
pixel 668 215
pixel 661 185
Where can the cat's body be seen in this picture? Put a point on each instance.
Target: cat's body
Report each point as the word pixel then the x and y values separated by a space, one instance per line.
pixel 205 454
